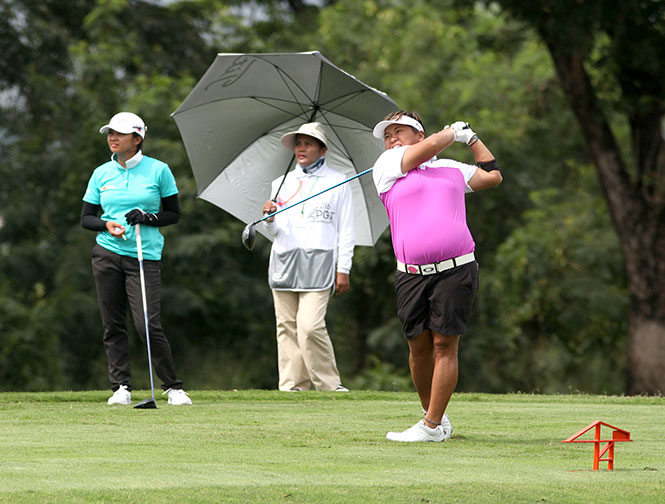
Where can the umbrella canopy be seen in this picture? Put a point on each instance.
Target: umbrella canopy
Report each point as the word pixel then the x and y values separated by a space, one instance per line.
pixel 232 121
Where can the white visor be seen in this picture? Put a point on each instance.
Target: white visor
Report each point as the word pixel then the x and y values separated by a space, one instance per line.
pixel 125 122
pixel 380 129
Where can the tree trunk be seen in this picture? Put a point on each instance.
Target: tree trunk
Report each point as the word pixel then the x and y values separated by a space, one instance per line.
pixel 644 250
pixel 638 215
pixel 646 348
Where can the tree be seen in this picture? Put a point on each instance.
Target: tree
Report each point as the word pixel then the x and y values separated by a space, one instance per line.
pixel 69 65
pixel 475 63
pixel 560 308
pixel 608 58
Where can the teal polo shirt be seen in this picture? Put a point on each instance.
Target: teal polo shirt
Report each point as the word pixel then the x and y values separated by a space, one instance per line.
pixel 118 190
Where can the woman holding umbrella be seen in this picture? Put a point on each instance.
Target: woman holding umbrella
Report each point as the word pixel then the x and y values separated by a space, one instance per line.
pixel 437 275
pixel 310 258
pixel 129 189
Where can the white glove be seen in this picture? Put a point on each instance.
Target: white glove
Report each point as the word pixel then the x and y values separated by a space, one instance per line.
pixel 463 132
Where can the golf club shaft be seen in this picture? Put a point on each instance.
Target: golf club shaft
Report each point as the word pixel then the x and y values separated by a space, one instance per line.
pixel 139 250
pixel 267 216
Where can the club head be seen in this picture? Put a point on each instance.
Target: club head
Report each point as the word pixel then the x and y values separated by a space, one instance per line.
pixel 147 404
pixel 249 236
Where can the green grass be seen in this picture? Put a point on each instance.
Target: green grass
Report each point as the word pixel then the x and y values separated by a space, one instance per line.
pixel 267 446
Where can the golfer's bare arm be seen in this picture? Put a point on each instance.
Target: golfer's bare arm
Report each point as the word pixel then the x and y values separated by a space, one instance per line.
pixel 420 152
pixel 483 179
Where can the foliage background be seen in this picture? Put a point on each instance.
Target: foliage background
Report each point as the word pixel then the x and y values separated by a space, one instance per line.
pixel 551 313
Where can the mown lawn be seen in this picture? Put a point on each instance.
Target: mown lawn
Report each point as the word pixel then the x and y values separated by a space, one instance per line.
pixel 309 447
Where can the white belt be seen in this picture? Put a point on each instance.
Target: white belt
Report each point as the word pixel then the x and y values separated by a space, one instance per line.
pixel 430 269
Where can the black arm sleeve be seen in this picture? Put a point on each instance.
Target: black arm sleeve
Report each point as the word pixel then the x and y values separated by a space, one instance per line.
pixel 489 166
pixel 89 219
pixel 170 213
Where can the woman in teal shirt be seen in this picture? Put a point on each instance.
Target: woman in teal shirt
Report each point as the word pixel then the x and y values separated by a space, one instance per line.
pixel 129 189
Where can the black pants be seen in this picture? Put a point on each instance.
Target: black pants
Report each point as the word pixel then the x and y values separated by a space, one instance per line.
pixel 118 284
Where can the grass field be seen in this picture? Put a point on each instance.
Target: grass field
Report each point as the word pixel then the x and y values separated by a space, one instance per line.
pixel 310 447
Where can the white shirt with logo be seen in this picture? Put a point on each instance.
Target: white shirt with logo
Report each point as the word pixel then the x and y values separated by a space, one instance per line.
pixel 312 240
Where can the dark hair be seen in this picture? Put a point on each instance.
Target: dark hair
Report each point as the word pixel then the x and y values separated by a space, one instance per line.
pixel 140 146
pixel 400 113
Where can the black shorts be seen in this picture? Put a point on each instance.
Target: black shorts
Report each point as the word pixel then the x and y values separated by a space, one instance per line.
pixel 440 302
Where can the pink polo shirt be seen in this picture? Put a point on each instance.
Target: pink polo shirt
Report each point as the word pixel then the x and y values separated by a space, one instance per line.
pixel 425 206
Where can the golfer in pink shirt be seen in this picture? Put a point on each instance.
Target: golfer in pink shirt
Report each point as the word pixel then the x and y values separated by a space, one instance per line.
pixel 437 274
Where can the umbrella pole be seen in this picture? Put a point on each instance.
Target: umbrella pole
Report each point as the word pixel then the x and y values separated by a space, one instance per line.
pixel 249 233
pixel 293 158
pixel 288 167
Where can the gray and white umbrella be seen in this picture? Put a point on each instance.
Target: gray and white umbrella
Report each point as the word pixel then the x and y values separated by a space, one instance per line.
pixel 232 121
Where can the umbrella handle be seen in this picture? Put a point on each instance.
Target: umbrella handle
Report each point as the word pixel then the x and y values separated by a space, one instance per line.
pixel 267 216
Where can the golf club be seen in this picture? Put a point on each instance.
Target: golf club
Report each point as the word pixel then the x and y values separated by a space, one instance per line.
pixel 249 233
pixel 147 403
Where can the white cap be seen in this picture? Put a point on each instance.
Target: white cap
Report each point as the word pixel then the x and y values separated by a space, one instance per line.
pixel 380 129
pixel 313 129
pixel 125 122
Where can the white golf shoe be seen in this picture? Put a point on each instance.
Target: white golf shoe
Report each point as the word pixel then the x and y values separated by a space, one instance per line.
pixel 418 433
pixel 445 423
pixel 121 396
pixel 446 426
pixel 178 397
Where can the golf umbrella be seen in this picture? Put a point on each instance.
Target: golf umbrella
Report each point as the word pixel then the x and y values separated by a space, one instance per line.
pixel 232 121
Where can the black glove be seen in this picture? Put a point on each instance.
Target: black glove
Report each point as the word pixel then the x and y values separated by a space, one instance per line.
pixel 138 216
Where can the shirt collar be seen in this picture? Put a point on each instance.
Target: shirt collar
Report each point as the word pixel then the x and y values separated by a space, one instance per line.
pixel 300 173
pixel 132 161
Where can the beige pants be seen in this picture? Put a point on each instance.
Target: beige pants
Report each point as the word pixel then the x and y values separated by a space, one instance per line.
pixel 305 354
